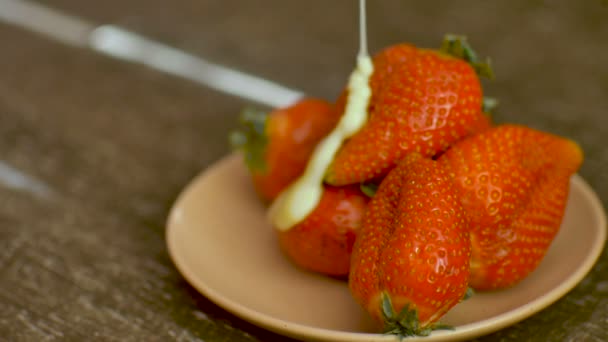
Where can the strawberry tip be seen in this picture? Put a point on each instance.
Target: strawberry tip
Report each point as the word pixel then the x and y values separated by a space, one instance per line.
pixel 406 323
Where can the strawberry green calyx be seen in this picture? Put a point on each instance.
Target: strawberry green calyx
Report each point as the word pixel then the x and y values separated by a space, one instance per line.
pixel 470 292
pixel 251 138
pixel 458 46
pixel 406 322
pixel 489 104
pixel 369 189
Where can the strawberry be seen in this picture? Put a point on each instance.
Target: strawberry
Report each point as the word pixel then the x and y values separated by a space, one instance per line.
pixel 323 241
pixel 278 144
pixel 513 182
pixel 422 101
pixel 412 253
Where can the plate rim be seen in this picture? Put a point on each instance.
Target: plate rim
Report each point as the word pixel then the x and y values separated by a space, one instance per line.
pixel 297 330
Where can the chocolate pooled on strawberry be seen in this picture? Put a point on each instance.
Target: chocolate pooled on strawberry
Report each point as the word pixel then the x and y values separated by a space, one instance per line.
pixel 323 241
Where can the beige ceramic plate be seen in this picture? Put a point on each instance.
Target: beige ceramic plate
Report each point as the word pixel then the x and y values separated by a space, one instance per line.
pixel 219 239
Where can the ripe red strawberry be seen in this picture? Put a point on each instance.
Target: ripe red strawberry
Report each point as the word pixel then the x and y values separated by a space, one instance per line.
pixel 323 241
pixel 422 101
pixel 513 182
pixel 410 263
pixel 278 144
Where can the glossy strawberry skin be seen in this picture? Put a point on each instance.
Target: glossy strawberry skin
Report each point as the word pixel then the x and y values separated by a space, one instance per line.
pixel 513 182
pixel 422 101
pixel 278 144
pixel 413 245
pixel 323 242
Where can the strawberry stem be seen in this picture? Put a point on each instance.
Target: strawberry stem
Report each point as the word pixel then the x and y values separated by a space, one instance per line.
pixel 251 138
pixel 458 46
pixel 406 323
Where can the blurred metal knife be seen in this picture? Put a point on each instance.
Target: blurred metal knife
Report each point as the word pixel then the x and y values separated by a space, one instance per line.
pixel 129 46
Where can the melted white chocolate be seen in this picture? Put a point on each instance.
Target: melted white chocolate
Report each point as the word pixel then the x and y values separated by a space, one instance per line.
pixel 301 197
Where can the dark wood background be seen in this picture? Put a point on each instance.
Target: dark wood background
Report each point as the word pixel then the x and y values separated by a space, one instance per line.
pixel 111 144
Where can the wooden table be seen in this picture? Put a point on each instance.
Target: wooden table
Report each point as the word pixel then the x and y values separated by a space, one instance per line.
pixel 94 150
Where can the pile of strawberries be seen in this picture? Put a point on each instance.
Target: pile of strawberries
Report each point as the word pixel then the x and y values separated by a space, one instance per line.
pixel 428 199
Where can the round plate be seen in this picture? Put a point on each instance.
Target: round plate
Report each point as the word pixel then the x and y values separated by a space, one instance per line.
pixel 220 241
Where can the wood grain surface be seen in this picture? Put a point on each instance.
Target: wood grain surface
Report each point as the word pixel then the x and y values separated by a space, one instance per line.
pixel 105 146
